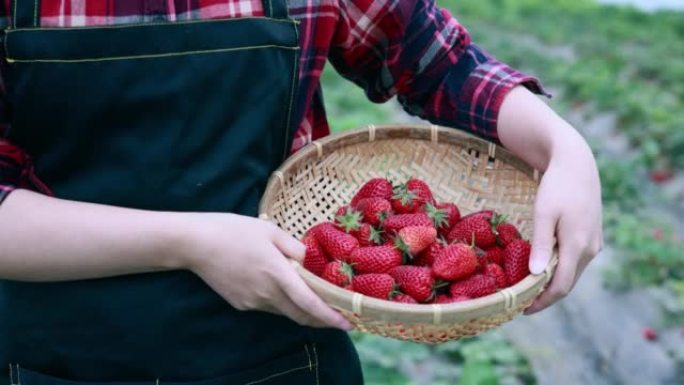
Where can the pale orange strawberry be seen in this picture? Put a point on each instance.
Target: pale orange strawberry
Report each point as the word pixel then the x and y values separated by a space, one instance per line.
pixel 374 285
pixel 374 188
pixel 315 259
pixel 336 243
pixel 456 261
pixel 478 285
pixel 338 273
pixel 375 259
pixel 516 262
pixel 414 239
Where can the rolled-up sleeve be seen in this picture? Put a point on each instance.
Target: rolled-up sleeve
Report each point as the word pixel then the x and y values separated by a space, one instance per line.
pixel 420 53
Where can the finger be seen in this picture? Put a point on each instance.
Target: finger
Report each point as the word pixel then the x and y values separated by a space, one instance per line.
pixel 543 240
pixel 288 245
pixel 301 295
pixel 283 305
pixel 563 279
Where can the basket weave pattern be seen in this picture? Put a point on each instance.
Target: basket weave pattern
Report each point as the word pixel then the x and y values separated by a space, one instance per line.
pixel 459 168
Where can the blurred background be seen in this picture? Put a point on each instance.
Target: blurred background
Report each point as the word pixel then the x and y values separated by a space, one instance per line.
pixel 616 69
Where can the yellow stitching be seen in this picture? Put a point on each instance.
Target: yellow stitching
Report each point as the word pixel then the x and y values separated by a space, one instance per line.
pixel 316 363
pixel 275 375
pixel 155 56
pixel 306 349
pixel 156 24
pixel 292 90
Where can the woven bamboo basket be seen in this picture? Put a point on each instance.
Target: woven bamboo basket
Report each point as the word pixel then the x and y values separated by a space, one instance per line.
pixel 461 168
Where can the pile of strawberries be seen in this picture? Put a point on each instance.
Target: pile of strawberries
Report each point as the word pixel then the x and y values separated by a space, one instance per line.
pixel 397 243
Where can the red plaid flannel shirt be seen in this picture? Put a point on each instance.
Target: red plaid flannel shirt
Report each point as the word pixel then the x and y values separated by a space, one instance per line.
pixel 408 48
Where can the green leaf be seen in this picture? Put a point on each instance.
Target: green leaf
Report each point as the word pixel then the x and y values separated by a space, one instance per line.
pixel 479 373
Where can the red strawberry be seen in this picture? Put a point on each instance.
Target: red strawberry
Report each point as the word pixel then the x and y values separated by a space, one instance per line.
pixel 394 223
pixel 350 221
pixel 482 262
pixel 374 210
pixel 427 256
pixel 315 259
pixel 486 214
pixel 375 259
pixel 404 298
pixel 516 262
pixel 650 334
pixel 341 211
pixel 336 243
pixel 415 281
pixel 497 272
pixel 368 235
pixel 456 261
pixel 414 239
pixel 444 215
pixel 506 233
pixel 478 285
pixel 374 188
pixel 411 196
pixel 374 285
pixel 661 175
pixel 477 229
pixel 338 273
pixel 446 298
pixel 495 255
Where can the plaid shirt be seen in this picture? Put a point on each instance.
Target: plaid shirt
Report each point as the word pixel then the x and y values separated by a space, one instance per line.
pixel 408 48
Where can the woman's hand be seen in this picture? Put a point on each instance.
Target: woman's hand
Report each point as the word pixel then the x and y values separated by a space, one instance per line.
pixel 568 212
pixel 245 260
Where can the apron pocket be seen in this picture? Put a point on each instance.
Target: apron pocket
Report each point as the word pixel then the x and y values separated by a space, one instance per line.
pixel 299 368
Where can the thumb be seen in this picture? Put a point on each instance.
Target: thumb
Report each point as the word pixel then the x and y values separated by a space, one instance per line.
pixel 289 245
pixel 543 241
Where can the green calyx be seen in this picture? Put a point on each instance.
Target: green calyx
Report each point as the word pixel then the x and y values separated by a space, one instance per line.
pixel 404 195
pixel 347 270
pixel 350 221
pixel 376 236
pixel 438 216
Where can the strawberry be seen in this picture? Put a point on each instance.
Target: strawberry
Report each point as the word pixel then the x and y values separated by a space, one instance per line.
pixel 374 210
pixel 314 259
pixel 427 256
pixel 446 298
pixel 495 255
pixel 478 285
pixel 444 215
pixel 368 235
pixel 661 175
pixel 338 273
pixel 394 223
pixel 414 239
pixel 341 211
pixel 411 196
pixel 497 272
pixel 506 233
pixel 404 298
pixel 415 281
pixel 486 214
pixel 374 188
pixel 349 221
pixel 482 262
pixel 374 285
pixel 375 259
pixel 516 261
pixel 650 334
pixel 475 229
pixel 456 261
pixel 336 243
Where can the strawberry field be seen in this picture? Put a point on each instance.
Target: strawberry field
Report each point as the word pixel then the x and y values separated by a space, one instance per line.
pixel 618 75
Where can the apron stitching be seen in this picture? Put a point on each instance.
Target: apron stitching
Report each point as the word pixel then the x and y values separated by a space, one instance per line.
pixel 35 13
pixel 276 375
pixel 316 362
pixel 14 18
pixel 155 56
pixel 292 89
pixel 18 376
pixel 270 8
pixel 308 356
pixel 170 24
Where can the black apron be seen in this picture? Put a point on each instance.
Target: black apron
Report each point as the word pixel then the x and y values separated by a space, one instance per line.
pixel 186 116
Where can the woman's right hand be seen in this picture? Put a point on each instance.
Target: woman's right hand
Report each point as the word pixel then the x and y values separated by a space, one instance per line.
pixel 245 260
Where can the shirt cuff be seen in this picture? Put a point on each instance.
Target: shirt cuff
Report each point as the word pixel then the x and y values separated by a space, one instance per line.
pixel 483 93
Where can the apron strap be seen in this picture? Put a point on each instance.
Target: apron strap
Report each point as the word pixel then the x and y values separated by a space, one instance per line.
pixel 26 13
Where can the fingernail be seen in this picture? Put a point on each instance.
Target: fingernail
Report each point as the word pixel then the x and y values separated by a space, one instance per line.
pixel 538 266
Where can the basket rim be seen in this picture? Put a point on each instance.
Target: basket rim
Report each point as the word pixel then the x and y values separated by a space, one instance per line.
pixel 373 308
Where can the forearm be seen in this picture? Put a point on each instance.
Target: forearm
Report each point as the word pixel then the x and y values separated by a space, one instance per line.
pixel 48 239
pixel 534 132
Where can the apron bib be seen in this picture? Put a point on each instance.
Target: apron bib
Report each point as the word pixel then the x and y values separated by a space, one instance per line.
pixel 186 116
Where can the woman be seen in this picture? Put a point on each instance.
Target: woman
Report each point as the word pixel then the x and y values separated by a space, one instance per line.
pixel 147 130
